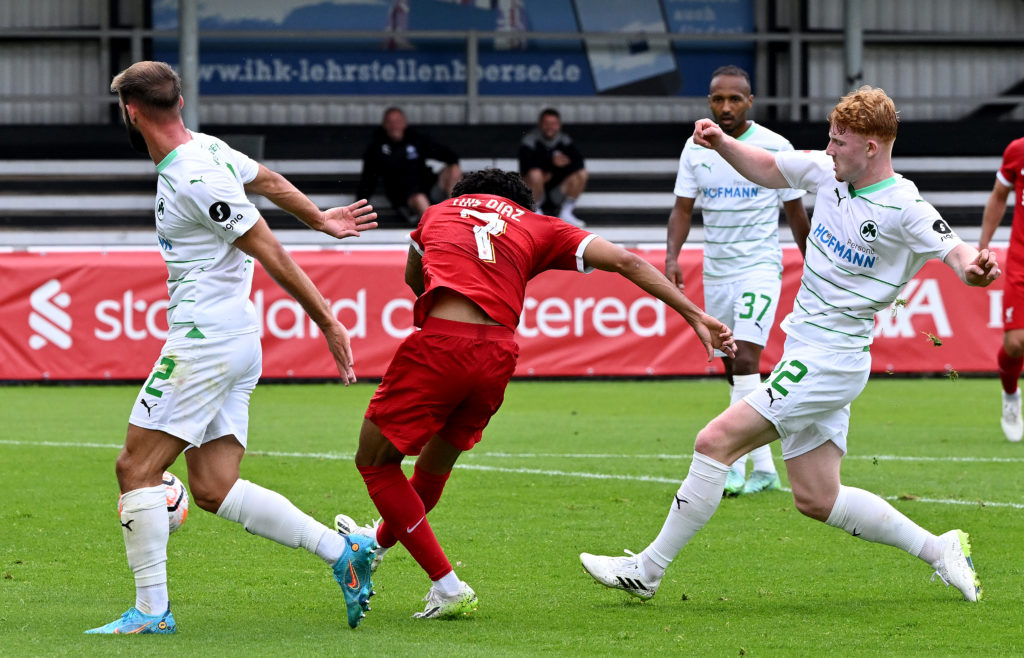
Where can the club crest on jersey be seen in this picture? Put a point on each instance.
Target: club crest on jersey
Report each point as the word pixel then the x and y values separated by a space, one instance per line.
pixel 869 231
pixel 160 209
pixel 849 251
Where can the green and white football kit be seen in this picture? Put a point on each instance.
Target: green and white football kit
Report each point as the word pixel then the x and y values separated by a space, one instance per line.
pixel 864 246
pixel 200 385
pixel 742 257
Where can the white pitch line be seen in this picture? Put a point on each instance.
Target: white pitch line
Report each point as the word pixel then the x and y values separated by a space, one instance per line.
pixel 684 455
pixel 334 456
pixel 570 474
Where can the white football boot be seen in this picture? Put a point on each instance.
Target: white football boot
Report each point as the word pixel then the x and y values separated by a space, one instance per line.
pixel 955 566
pixel 625 573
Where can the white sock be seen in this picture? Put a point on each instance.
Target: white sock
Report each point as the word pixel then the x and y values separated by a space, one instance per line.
pixel 763 459
pixel 1011 397
pixel 145 529
pixel 865 515
pixel 741 385
pixel 694 503
pixel 448 584
pixel 269 514
pixel 568 204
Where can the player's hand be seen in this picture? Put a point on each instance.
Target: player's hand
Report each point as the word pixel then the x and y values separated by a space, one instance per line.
pixel 674 274
pixel 348 221
pixel 560 159
pixel 983 270
pixel 341 350
pixel 714 335
pixel 706 133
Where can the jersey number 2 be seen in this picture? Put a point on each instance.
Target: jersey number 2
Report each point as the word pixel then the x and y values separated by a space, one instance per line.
pixel 493 225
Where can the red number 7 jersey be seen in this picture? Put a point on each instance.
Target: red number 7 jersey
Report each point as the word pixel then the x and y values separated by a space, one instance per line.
pixel 486 248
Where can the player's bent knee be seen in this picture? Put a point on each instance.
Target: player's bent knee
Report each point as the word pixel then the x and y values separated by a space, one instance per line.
pixel 209 493
pixel 1013 343
pixel 709 442
pixel 135 470
pixel 209 499
pixel 812 507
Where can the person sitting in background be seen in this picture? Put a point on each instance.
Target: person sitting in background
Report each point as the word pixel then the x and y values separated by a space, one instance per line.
pixel 553 167
pixel 398 154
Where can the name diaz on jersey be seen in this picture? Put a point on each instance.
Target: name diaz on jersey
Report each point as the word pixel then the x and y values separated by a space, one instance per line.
pixel 497 206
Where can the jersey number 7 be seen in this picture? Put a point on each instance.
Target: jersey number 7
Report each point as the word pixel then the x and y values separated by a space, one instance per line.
pixel 493 225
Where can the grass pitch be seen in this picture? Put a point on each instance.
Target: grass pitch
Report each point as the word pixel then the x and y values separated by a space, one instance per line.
pixel 564 467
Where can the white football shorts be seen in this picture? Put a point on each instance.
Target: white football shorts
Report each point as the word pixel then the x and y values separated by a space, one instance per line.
pixel 745 305
pixel 199 388
pixel 807 396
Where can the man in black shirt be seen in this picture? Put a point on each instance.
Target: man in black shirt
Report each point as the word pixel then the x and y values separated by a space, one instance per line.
pixel 552 166
pixel 398 155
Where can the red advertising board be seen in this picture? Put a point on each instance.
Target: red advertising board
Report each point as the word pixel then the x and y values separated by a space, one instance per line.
pixel 95 315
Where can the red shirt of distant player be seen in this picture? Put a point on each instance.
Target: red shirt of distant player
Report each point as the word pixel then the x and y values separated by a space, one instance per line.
pixel 1011 174
pixel 486 248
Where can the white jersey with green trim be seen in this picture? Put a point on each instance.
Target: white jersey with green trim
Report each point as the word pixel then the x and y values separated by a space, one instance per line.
pixel 201 208
pixel 741 219
pixel 865 245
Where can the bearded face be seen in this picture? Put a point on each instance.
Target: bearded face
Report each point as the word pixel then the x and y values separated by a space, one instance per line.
pixel 135 137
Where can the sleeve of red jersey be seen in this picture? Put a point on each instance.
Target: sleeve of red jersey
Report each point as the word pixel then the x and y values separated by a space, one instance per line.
pixel 565 251
pixel 1013 162
pixel 416 237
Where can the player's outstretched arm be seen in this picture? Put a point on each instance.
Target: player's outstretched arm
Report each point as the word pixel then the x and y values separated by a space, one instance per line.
pixel 995 208
pixel 678 230
pixel 260 243
pixel 414 272
pixel 606 256
pixel 974 267
pixel 752 162
pixel 341 222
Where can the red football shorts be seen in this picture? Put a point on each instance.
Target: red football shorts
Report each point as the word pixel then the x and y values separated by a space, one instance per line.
pixel 1013 299
pixel 447 379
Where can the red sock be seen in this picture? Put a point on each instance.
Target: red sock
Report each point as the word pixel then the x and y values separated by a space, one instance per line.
pixel 1009 370
pixel 400 507
pixel 429 488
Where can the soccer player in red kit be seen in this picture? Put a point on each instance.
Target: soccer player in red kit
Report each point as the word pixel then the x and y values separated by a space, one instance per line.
pixel 469 263
pixel 1011 355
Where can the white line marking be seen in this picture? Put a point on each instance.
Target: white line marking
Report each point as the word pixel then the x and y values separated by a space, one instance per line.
pixel 685 455
pixel 335 456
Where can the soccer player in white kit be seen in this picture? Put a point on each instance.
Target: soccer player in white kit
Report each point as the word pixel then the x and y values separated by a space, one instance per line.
pixel 742 258
pixel 871 233
pixel 197 397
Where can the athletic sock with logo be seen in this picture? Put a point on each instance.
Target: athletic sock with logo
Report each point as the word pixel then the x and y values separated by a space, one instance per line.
pixel 869 517
pixel 401 508
pixel 429 487
pixel 145 529
pixel 697 499
pixel 270 515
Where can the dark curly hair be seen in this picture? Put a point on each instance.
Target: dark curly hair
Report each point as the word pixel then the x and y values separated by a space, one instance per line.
pixel 508 184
